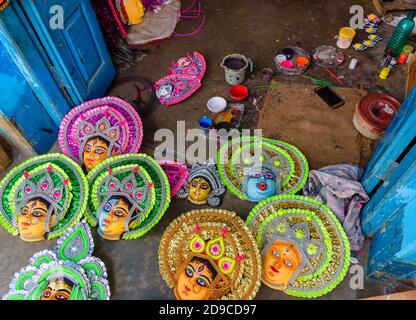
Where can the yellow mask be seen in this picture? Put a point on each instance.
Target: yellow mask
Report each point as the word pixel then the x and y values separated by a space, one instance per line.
pixel 95 151
pixel 57 290
pixel 112 218
pixel 199 190
pixel 280 263
pixel 31 220
pixel 194 282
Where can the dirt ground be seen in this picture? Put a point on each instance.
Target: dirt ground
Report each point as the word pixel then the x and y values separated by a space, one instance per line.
pixel 253 28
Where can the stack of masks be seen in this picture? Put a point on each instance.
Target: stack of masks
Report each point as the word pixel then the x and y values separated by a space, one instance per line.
pixel 183 81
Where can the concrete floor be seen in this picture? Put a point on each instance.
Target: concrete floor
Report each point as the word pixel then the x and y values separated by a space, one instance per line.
pixel 231 27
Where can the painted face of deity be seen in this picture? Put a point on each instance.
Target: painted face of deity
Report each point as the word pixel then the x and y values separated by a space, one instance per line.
pixel 281 261
pixel 59 289
pixel 95 151
pixel 199 190
pixel 32 220
pixel 165 90
pixel 195 281
pixel 261 184
pixel 184 62
pixel 113 217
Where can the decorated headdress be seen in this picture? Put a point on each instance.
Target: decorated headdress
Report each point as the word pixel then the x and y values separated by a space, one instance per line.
pixel 209 172
pixel 192 65
pixel 288 228
pixel 177 174
pixel 183 81
pixel 70 263
pixel 217 240
pixel 238 156
pixel 110 119
pixel 136 179
pixel 53 180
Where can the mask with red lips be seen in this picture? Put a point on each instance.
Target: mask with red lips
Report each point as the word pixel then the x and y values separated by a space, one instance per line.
pixel 261 183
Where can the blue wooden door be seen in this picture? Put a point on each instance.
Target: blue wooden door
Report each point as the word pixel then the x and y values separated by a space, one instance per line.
pixel 390 216
pixel 390 177
pixel 77 51
pixel 30 97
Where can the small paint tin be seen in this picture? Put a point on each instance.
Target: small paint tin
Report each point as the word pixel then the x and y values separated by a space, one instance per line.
pixel 266 74
pixel 205 123
pixel 288 52
pixel 353 64
pixel 280 58
pixel 403 58
pixel 345 37
pixel 287 64
pixel 408 48
pixel 302 62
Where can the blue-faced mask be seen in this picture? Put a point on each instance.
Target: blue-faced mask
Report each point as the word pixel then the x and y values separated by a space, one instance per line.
pixel 261 184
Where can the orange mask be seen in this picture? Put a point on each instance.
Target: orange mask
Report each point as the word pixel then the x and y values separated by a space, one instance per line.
pixel 280 263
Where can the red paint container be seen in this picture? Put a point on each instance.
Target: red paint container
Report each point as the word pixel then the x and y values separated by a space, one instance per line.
pixel 373 114
pixel 239 92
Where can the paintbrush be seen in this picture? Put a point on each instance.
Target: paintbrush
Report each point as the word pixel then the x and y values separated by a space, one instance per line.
pixel 266 86
pixel 321 82
pixel 334 76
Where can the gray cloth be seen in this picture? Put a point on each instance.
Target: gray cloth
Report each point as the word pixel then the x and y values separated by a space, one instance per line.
pixel 339 188
pixel 156 25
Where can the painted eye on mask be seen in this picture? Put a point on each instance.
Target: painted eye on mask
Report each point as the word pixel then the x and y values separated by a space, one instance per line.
pixel 61 297
pixel 189 272
pixel 119 214
pixel 276 254
pixel 255 175
pixel 108 207
pixel 288 263
pixel 194 184
pixel 268 176
pixel 24 212
pixel 202 282
pixel 46 294
pixel 87 149
pixel 204 186
pixel 98 151
pixel 37 214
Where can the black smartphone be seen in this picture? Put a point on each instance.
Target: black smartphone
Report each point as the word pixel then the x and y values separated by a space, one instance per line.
pixel 329 96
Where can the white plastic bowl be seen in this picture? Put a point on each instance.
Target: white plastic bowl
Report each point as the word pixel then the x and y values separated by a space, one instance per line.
pixel 217 104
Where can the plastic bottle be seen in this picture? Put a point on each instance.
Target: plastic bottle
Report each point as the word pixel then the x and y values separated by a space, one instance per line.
pixel 385 72
pixel 402 33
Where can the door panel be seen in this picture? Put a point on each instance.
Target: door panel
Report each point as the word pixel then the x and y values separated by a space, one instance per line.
pixel 20 104
pixel 78 51
pixel 88 59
